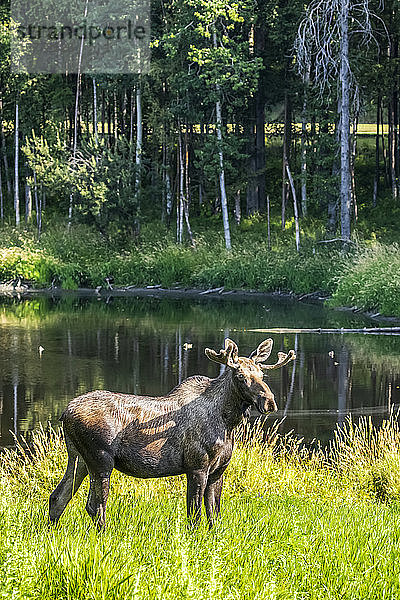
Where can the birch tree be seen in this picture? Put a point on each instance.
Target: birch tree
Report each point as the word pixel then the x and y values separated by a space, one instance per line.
pixel 76 113
pixel 139 144
pixel 322 47
pixel 218 126
pixel 16 166
pixel 227 67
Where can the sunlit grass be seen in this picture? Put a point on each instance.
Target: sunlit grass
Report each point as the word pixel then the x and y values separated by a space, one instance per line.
pixel 366 278
pixel 80 259
pixel 294 524
pixel 371 281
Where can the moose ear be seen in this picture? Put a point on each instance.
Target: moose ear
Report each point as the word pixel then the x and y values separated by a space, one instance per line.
pixel 263 351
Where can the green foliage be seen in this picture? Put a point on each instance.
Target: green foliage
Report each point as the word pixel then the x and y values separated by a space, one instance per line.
pixel 371 281
pixel 33 265
pixel 85 258
pixel 100 180
pixel 294 524
pixel 50 160
pixel 366 278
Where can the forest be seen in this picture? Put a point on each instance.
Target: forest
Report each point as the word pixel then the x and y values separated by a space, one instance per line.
pixel 260 151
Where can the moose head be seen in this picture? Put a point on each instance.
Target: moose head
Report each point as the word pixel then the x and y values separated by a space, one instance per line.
pixel 247 373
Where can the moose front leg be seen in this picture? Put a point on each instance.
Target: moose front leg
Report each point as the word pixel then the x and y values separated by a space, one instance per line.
pixel 212 499
pixel 97 498
pixel 196 484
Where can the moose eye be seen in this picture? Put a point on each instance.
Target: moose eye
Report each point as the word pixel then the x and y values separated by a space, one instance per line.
pixel 241 376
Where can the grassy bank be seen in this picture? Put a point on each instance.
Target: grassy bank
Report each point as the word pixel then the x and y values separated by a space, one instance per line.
pixel 294 524
pixel 367 278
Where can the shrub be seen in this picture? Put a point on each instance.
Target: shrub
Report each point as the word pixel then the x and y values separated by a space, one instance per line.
pixel 371 281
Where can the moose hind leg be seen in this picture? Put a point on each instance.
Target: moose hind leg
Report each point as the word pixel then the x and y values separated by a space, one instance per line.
pixel 68 486
pixel 97 498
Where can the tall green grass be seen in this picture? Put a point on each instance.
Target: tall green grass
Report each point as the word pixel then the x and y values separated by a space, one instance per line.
pixel 371 281
pixel 366 278
pixel 295 524
pixel 82 258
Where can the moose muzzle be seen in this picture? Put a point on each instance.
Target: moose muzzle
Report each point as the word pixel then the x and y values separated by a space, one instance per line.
pixel 266 403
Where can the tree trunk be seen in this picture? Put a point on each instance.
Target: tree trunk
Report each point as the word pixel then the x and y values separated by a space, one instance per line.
pixel 237 208
pixel 392 147
pixel 395 113
pixel 168 186
pixel 16 176
pixel 181 181
pixel 95 111
pixel 132 112
pixel 139 144
pixel 345 181
pixel 187 188
pixel 286 152
pixel 295 209
pixel 28 202
pixel 377 170
pixel 35 195
pixel 224 200
pixel 115 117
pixel 76 112
pixel 103 113
pixel 123 113
pixel 163 173
pixel 353 160
pixel 4 152
pixel 304 152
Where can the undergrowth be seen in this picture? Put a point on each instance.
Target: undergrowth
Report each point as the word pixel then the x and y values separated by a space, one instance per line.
pixel 82 258
pixel 295 523
pixel 367 278
pixel 371 281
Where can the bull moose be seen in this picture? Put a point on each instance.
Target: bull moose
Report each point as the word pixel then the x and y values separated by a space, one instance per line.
pixel 188 431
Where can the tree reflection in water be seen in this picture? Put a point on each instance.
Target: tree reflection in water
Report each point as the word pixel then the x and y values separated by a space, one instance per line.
pixel 148 345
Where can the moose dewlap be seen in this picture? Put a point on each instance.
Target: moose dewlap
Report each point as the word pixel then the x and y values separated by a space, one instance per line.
pixel 188 431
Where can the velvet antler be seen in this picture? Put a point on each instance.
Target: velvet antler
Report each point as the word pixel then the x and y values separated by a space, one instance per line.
pixel 283 359
pixel 263 352
pixel 228 356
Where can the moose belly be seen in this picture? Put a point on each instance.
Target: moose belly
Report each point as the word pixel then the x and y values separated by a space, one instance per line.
pixel 155 459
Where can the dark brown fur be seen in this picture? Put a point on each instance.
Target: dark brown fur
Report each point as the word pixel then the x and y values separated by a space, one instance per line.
pixel 189 432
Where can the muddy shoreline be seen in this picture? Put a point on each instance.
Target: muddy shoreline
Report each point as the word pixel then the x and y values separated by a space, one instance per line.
pixel 179 292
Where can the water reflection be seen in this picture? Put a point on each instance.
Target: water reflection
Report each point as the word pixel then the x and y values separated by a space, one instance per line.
pixel 147 346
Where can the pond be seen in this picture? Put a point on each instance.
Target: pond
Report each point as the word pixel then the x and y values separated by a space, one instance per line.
pixel 147 345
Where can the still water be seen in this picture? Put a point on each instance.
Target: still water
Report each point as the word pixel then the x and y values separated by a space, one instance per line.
pixel 148 345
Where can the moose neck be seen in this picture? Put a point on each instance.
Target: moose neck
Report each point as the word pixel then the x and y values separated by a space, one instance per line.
pixel 229 400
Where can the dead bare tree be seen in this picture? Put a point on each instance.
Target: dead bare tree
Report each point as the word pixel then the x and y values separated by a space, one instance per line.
pixel 322 49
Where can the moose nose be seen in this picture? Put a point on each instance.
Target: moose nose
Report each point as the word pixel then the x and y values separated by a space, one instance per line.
pixel 267 404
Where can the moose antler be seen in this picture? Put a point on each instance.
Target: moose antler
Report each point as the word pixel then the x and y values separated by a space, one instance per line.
pixel 283 359
pixel 228 356
pixel 264 350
